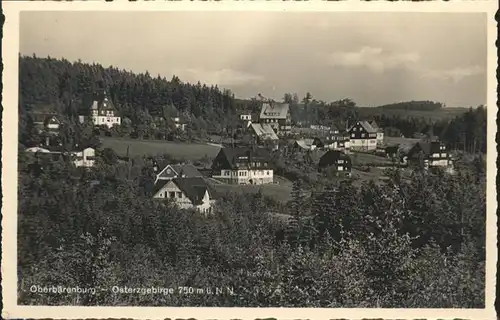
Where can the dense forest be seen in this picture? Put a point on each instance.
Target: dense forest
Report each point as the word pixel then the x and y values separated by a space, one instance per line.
pixel 417 242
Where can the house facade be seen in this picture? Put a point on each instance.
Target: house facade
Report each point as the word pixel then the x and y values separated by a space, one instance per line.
pixel 277 115
pixel 363 137
pixel 243 166
pixel 102 111
pixel 336 160
pixel 187 193
pixel 46 121
pixel 433 154
pixel 380 131
pixel 173 171
pixel 84 158
pixel 262 133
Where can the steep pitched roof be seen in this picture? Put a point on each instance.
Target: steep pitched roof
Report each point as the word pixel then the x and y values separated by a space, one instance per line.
pixel 375 126
pixel 159 185
pixel 194 188
pixel 100 101
pixel 274 110
pixel 367 126
pixel 305 143
pixel 188 170
pixel 264 131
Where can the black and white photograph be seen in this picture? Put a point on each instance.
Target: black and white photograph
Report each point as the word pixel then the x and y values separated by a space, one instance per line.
pixel 252 159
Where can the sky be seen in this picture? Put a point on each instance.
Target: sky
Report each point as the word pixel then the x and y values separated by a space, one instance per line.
pixel 373 58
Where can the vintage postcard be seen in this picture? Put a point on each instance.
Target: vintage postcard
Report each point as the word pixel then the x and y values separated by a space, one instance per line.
pixel 243 160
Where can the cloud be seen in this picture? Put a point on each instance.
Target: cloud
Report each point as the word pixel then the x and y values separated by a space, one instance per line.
pixel 222 77
pixel 375 59
pixel 455 74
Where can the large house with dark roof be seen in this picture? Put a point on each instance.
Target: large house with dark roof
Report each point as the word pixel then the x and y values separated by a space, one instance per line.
pixel 102 111
pixel 243 166
pixel 363 137
pixel 432 153
pixel 277 115
pixel 173 171
pixel 187 193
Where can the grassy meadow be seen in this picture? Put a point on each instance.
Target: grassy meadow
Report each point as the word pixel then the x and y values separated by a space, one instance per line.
pixel 178 150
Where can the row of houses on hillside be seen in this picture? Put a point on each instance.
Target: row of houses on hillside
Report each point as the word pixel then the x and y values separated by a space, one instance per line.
pixel 84 157
pixel 185 185
pixel 429 153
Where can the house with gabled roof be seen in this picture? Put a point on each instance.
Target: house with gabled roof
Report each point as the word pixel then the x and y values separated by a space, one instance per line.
pixel 101 110
pixel 173 171
pixel 243 165
pixel 380 131
pixel 336 160
pixel 430 153
pixel 362 136
pixel 277 115
pixel 187 193
pixel 263 132
pixel 49 122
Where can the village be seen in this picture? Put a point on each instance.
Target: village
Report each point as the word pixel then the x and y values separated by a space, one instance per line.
pixel 359 151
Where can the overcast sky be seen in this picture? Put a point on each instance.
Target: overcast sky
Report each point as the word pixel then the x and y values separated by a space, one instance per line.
pixel 372 58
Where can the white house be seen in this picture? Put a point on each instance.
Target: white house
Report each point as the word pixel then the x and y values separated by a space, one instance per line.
pixel 187 193
pixel 84 158
pixel 380 132
pixel 363 136
pixel 243 166
pixel 102 111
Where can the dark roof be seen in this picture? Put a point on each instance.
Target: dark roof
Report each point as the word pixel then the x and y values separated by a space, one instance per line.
pixel 193 188
pixel 188 170
pixel 159 184
pixel 331 156
pixel 233 153
pixel 101 101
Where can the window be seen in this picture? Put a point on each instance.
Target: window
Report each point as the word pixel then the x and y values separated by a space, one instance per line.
pixel 341 161
pixel 179 195
pixel 161 194
pixel 363 135
pixel 353 135
pixel 171 194
pixel 267 172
